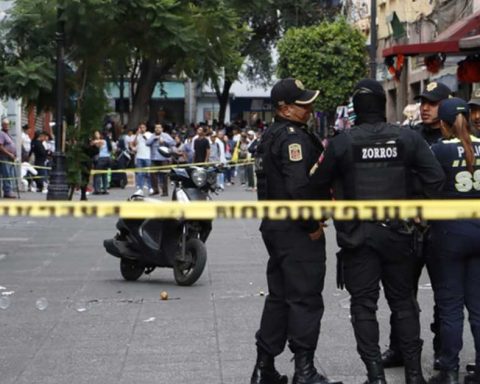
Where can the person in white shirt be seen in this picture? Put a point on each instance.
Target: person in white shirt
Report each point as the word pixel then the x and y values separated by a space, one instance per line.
pixel 26 143
pixel 217 155
pixel 142 158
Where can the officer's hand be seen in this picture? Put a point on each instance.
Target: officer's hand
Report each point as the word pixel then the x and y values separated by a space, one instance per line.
pixel 317 235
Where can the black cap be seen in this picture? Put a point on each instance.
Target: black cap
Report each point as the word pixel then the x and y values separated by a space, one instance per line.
pixel 450 108
pixel 435 92
pixel 292 91
pixel 475 100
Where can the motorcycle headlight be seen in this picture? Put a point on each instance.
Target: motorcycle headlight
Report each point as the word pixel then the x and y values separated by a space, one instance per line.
pixel 199 177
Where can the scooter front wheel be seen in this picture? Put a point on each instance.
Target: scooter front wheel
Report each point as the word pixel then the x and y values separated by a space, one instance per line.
pixel 188 272
pixel 131 270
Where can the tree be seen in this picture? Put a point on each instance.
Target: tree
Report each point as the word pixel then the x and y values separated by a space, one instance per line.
pixel 260 23
pixel 146 40
pixel 330 57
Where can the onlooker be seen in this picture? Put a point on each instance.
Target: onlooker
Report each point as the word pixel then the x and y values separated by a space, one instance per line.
pixel 188 148
pixel 179 150
pixel 41 155
pixel 217 155
pixel 26 143
pixel 249 169
pixel 102 163
pixel 8 155
pixel 201 147
pixel 142 158
pixel 91 151
pixel 242 147
pixel 159 138
pixel 227 171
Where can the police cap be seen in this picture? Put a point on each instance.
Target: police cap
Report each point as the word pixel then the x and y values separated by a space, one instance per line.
pixel 292 91
pixel 435 92
pixel 475 100
pixel 450 108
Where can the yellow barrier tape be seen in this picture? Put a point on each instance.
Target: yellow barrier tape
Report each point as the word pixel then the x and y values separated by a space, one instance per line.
pixel 161 168
pixel 275 210
pixel 19 163
pixel 151 169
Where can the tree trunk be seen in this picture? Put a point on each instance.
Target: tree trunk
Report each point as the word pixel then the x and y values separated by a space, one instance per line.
pixel 223 98
pixel 143 94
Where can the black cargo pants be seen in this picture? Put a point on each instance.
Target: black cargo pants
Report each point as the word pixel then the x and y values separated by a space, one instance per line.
pixel 294 306
pixel 387 257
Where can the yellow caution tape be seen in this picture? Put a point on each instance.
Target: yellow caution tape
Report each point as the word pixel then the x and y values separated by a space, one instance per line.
pixel 151 169
pixel 275 210
pixel 166 168
pixel 19 163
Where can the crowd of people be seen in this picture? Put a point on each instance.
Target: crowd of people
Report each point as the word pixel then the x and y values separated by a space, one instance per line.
pixel 34 161
pixel 232 146
pixel 148 150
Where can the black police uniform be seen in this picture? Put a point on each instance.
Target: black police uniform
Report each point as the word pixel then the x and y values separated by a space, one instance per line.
pixel 376 161
pixel 429 134
pixel 391 358
pixel 296 267
pixel 454 263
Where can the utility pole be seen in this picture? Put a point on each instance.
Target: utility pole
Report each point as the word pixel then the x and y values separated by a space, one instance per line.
pixel 58 186
pixel 373 39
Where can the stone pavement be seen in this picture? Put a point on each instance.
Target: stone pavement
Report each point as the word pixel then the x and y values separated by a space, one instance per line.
pixel 72 319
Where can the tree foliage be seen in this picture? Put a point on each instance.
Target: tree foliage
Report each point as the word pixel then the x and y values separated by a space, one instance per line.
pixel 145 40
pixel 330 56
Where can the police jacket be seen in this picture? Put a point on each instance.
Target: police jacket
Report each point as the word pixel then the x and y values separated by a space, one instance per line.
pixel 285 155
pixel 460 183
pixel 429 134
pixel 373 162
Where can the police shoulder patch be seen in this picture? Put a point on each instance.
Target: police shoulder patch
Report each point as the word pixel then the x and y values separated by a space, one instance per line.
pixel 295 152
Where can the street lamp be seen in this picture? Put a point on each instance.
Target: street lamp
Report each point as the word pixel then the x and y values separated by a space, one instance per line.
pixel 58 186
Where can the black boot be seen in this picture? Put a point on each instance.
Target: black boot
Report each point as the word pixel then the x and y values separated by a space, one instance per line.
pixel 445 377
pixel 375 372
pixel 470 367
pixel 305 372
pixel 265 372
pixel 472 378
pixel 413 371
pixel 392 358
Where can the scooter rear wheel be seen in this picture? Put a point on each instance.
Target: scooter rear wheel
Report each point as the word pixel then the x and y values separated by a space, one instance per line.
pixel 187 273
pixel 131 270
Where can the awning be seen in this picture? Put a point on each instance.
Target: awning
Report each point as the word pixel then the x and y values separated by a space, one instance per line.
pixel 455 40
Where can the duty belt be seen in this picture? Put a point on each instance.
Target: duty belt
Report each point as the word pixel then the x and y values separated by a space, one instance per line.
pixel 400 226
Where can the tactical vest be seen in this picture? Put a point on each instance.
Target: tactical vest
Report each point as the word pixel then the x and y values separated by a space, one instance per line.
pixel 380 169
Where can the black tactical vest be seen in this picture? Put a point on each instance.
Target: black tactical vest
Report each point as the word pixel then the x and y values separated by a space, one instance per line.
pixel 380 169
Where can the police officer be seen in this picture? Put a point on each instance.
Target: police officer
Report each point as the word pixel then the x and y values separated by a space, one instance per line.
pixel 454 263
pixel 375 160
pixel 430 100
pixel 296 266
pixel 474 105
pixel 429 129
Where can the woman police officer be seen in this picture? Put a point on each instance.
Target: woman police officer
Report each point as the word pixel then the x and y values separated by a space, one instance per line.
pixel 455 256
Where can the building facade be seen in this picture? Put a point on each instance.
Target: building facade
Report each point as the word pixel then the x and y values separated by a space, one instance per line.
pixel 412 33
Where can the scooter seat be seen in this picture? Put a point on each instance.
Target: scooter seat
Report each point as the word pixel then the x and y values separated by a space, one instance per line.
pixel 119 249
